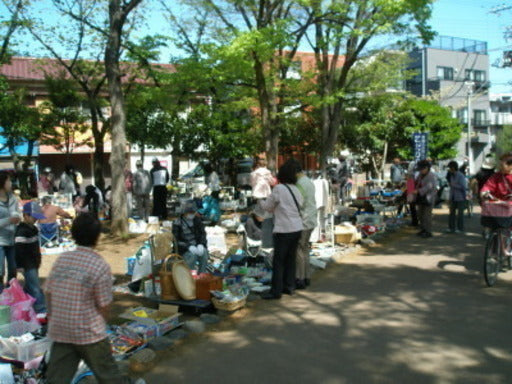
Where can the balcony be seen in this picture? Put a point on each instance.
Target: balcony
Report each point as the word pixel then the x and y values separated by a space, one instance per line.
pixel 501 118
pixel 476 123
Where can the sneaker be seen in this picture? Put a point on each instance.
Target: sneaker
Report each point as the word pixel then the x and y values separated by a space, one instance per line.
pixel 459 232
pixel 426 235
pixel 138 381
pixel 420 233
pixel 449 231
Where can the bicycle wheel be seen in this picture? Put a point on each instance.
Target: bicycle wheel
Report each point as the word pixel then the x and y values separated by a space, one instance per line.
pixel 492 259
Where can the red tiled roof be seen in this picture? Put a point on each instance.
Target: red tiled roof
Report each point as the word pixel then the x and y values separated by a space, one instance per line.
pixel 29 68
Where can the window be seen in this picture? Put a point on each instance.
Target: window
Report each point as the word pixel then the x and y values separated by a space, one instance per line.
pixel 462 115
pixel 445 73
pixel 480 116
pixel 474 75
pixel 479 76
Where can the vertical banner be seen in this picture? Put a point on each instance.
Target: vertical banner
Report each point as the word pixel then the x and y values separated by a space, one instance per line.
pixel 420 145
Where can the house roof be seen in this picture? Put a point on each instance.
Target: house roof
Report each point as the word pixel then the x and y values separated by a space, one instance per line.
pixel 35 69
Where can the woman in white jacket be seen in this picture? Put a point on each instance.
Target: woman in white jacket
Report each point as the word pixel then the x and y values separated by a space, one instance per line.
pixel 9 218
pixel 285 203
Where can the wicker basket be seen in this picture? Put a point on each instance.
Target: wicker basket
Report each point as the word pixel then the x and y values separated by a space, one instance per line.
pixel 230 307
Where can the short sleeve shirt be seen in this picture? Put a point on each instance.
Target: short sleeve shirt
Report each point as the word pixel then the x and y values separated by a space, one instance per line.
pixel 80 282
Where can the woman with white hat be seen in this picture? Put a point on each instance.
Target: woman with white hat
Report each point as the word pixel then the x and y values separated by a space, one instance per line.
pixel 487 170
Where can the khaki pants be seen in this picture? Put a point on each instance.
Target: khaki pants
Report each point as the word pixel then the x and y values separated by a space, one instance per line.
pixel 64 360
pixel 425 217
pixel 303 269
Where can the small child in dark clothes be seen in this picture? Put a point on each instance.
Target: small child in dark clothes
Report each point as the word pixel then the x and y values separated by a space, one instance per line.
pixel 253 224
pixel 28 253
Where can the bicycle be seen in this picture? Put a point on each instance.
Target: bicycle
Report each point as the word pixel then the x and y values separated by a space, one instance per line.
pixel 496 259
pixel 497 215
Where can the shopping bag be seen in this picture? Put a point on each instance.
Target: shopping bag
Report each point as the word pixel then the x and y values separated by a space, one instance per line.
pixel 21 303
pixel 142 266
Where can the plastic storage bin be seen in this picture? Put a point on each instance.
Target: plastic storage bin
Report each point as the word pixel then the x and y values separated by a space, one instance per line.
pixel 17 328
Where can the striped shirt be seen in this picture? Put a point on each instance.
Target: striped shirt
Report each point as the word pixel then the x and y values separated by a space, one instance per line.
pixel 79 284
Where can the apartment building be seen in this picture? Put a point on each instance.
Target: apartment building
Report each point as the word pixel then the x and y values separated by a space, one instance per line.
pixel 455 72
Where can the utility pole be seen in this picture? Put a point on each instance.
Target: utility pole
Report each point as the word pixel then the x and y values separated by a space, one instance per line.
pixel 469 84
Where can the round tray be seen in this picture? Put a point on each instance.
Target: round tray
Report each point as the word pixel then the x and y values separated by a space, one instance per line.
pixel 183 280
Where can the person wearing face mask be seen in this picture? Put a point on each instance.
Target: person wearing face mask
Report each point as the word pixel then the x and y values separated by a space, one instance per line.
pixel 190 234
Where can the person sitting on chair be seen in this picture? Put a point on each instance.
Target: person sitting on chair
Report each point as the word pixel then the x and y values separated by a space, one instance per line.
pixel 49 226
pixel 189 232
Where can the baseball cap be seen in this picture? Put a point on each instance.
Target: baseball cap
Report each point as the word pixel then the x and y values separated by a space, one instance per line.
pixel 33 209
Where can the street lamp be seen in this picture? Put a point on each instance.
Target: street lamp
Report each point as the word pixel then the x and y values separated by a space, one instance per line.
pixel 469 150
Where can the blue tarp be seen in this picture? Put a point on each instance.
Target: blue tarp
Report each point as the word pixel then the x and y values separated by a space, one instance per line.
pixel 20 149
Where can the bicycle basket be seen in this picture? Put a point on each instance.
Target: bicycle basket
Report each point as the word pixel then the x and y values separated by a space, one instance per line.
pixel 497 214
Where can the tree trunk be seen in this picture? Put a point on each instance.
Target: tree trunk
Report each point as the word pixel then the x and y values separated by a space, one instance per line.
pixel 99 163
pixel 119 226
pixel 383 163
pixel 175 171
pixel 99 147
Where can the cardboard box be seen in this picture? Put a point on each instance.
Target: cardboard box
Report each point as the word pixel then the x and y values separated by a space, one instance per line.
pixel 165 318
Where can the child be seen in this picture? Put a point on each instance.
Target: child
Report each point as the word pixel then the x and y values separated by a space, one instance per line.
pixel 28 254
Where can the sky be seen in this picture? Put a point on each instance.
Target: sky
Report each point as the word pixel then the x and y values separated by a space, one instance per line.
pixel 471 19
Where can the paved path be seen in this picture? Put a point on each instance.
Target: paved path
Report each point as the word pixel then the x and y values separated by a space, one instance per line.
pixel 410 311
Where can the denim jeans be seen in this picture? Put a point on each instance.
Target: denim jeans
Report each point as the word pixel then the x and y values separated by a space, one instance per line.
pixel 33 288
pixel 7 253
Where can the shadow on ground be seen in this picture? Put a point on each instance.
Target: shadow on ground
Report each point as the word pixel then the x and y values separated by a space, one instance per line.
pixel 393 315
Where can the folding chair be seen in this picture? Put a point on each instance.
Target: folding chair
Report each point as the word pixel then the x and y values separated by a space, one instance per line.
pixel 49 234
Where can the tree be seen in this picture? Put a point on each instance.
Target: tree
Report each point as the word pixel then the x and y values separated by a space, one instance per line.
pixel 118 12
pixel 504 140
pixel 76 39
pixel 19 122
pixel 341 32
pixel 380 128
pixel 11 25
pixel 263 35
pixel 66 126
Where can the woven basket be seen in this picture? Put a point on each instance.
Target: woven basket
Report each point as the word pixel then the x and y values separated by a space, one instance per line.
pixel 230 307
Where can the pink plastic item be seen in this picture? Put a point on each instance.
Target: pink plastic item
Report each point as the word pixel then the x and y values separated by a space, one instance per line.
pixel 20 302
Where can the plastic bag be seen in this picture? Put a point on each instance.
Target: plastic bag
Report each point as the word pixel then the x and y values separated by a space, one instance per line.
pixel 21 303
pixel 142 266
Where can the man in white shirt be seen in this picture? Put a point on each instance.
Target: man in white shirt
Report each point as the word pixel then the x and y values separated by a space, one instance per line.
pixel 159 179
pixel 309 221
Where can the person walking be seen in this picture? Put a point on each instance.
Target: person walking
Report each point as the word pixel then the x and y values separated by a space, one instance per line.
pixel 426 191
pixel 458 193
pixel 68 181
pixel 9 218
pixel 309 221
pixel 343 176
pixel 411 198
pixel 159 180
pixel 128 187
pixel 141 190
pixel 285 203
pixel 262 182
pixel 211 179
pixel 79 295
pixel 397 173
